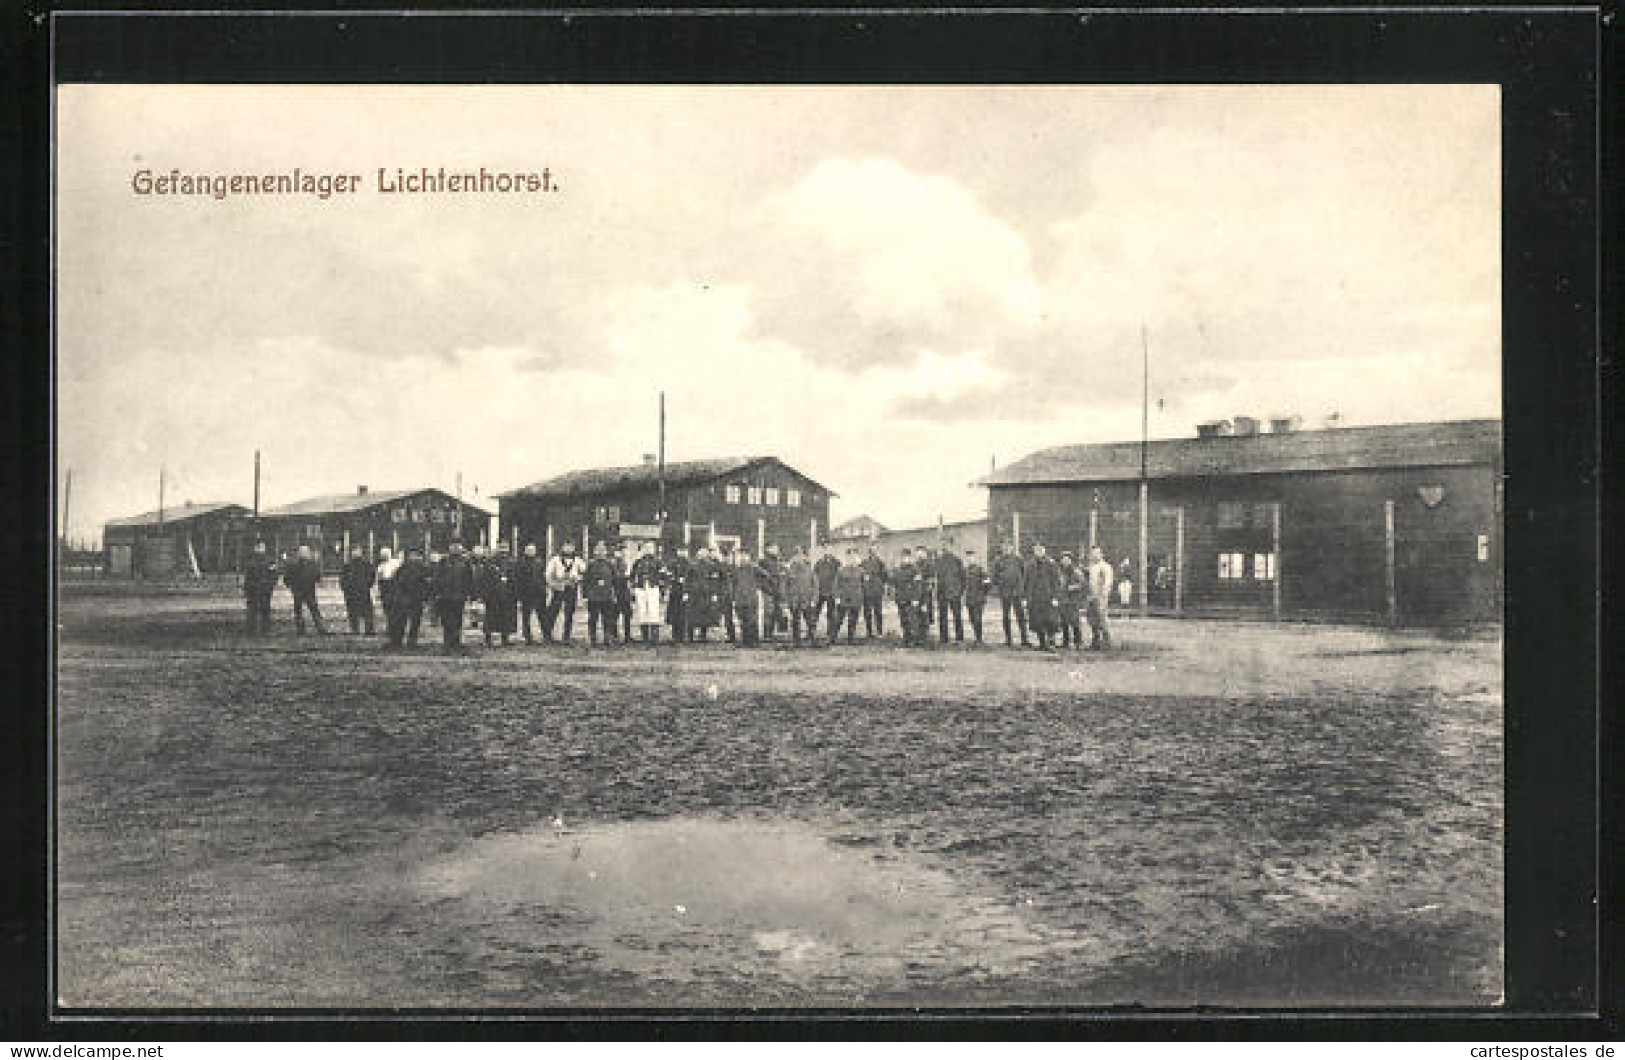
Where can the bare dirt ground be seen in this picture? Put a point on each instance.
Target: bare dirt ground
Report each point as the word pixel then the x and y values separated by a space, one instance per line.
pixel 1215 813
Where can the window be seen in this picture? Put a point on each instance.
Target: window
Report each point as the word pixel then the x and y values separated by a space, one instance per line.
pixel 437 516
pixel 398 515
pixel 615 513
pixel 417 515
pixel 772 495
pixel 753 495
pixel 792 498
pixel 732 496
pixel 1232 515
pixel 313 530
pixel 1264 566
pixel 1232 566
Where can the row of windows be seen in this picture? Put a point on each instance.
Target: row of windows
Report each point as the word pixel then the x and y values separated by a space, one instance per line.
pixel 1233 567
pixel 768 495
pixel 418 515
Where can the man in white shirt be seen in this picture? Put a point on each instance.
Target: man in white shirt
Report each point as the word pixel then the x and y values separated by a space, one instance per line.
pixel 1100 593
pixel 388 565
pixel 564 573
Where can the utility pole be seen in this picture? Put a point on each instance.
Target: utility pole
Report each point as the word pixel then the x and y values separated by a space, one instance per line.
pixel 67 501
pixel 160 499
pixel 660 472
pixel 256 489
pixel 1145 479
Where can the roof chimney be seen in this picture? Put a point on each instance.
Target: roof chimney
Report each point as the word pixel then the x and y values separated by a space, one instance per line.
pixel 1285 424
pixel 361 490
pixel 1213 429
pixel 648 460
pixel 1246 426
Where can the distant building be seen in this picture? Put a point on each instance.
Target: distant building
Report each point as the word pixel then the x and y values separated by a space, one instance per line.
pixel 1399 523
pixel 750 502
pixel 862 528
pixel 956 536
pixel 372 518
pixel 188 538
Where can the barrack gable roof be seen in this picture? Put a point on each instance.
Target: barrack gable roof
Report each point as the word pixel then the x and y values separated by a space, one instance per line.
pixel 635 477
pixel 1454 443
pixel 348 503
pixel 180 513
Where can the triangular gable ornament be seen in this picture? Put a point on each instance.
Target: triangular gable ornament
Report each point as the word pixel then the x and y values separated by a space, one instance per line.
pixel 1431 495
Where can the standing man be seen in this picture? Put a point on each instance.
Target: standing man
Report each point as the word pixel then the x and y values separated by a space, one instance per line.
pixel 453 588
pixel 825 570
pixel 495 582
pixel 598 584
pixel 875 578
pixel 356 580
pixel 1074 597
pixel 679 581
pixel 749 579
pixel 801 596
pixel 564 573
pixel 645 579
pixel 906 591
pixel 1011 580
pixel 849 596
pixel 410 590
pixel 623 592
pixel 976 585
pixel 389 565
pixel 259 582
pixel 950 572
pixel 530 585
pixel 772 592
pixel 301 578
pixel 1100 594
pixel 1043 597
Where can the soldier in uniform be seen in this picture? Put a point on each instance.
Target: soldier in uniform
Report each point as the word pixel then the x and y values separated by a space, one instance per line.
pixel 530 586
pixel 874 594
pixel 905 590
pixel 356 579
pixel 801 596
pixel 388 565
pixel 749 582
pixel 950 573
pixel 1010 576
pixel 976 585
pixel 623 593
pixel 564 588
pixel 453 586
pixel 301 577
pixel 773 619
pixel 645 579
pixel 495 586
pixel 825 570
pixel 1074 597
pixel 706 595
pixel 1100 594
pixel 259 582
pixel 409 589
pixel 849 596
pixel 598 585
pixel 679 578
pixel 1043 597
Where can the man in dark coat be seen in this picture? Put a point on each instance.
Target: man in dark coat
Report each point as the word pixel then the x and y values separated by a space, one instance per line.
pixel 453 588
pixel 598 585
pixel 875 578
pixel 623 593
pixel 356 580
pixel 801 596
pixel 259 582
pixel 848 596
pixel 407 596
pixel 977 584
pixel 647 578
pixel 530 586
pixel 494 583
pixel 1074 598
pixel 1043 597
pixel 825 570
pixel 910 582
pixel 301 578
pixel 679 577
pixel 950 572
pixel 1010 578
pixel 750 582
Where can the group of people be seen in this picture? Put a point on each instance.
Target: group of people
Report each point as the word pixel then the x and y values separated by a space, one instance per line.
pixel 693 591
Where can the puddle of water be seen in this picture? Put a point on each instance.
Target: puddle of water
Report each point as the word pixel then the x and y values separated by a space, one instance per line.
pixel 688 899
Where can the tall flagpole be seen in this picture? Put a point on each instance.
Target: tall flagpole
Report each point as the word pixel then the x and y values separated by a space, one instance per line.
pixel 660 471
pixel 1145 479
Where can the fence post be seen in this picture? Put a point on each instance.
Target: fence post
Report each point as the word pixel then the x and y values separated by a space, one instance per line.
pixel 1145 546
pixel 1388 562
pixel 761 538
pixel 549 539
pixel 1275 559
pixel 1094 527
pixel 1015 529
pixel 1179 560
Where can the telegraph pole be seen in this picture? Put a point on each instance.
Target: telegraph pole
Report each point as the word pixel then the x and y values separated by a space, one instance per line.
pixel 1145 476
pixel 160 499
pixel 660 471
pixel 67 501
pixel 256 491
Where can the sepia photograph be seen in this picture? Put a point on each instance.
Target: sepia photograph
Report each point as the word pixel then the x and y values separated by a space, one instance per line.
pixel 571 547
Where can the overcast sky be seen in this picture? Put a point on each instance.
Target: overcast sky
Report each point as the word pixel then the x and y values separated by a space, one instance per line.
pixel 886 287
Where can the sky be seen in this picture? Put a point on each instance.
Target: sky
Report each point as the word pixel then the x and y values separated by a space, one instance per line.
pixel 890 288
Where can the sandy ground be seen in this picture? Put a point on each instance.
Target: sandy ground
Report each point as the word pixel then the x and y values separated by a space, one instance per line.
pixel 1215 813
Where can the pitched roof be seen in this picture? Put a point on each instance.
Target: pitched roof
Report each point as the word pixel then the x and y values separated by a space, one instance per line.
pixel 178 513
pixel 1333 449
pixel 858 526
pixel 639 476
pixel 345 503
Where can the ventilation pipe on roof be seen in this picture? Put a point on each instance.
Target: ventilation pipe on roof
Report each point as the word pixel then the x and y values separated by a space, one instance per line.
pixel 1213 429
pixel 361 490
pixel 648 460
pixel 1285 424
pixel 1246 426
